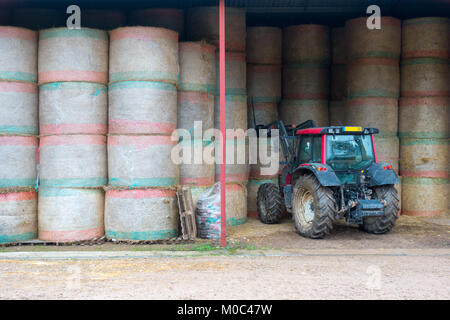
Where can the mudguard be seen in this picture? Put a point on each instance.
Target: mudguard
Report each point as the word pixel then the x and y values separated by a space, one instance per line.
pixel 327 178
pixel 380 176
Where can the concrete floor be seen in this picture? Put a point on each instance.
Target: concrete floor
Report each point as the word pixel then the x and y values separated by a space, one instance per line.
pixel 260 262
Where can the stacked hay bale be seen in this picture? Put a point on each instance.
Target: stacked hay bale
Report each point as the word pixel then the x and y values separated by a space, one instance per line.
pixel 264 57
pixel 338 86
pixel 169 18
pixel 373 82
pixel 306 53
pixel 203 24
pixel 18 134
pixel 196 103
pixel 424 116
pixel 73 74
pixel 143 74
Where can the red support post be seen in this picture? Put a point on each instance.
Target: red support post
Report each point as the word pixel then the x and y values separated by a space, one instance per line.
pixel 223 218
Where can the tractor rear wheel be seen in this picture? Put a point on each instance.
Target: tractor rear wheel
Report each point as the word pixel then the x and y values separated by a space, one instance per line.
pixel 269 203
pixel 385 223
pixel 314 207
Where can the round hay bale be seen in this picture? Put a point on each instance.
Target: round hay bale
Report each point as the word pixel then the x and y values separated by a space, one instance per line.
pixel 388 150
pixel 103 19
pixel 264 45
pixel 197 67
pixel 197 171
pixel 338 46
pixel 373 77
pixel 73 55
pixel 252 188
pixel 168 18
pixel 424 117
pixel 425 37
pixel 236 204
pixel 373 43
pixel 426 158
pixel 202 23
pixel 381 113
pixel 415 190
pixel 18 52
pixel 264 113
pixel 338 82
pixel 306 81
pixel 298 111
pixel 142 107
pixel 18 216
pixel 264 83
pixel 195 106
pixel 336 113
pixel 38 18
pixel 73 108
pixel 306 43
pixel 68 215
pixel 235 73
pixel 149 214
pixel 236 112
pixel 425 77
pixel 143 53
pixel 141 161
pixel 18 165
pixel 73 161
pixel 18 108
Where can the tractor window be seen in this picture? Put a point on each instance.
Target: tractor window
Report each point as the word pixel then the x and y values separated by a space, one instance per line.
pixel 349 151
pixel 310 149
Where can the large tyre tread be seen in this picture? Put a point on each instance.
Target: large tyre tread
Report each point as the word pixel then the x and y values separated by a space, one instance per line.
pixel 325 215
pixel 269 196
pixel 384 223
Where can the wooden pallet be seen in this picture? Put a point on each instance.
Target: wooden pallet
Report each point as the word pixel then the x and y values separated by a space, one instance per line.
pixel 187 213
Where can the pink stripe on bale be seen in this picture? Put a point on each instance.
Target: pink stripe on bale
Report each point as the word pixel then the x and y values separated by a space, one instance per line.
pixel 18 33
pixel 18 141
pixel 70 235
pixel 143 33
pixel 140 141
pixel 196 46
pixel 126 126
pixel 72 140
pixel 140 194
pixel 18 87
pixel 192 96
pixel 73 128
pixel 18 196
pixel 425 174
pixel 203 181
pixel 73 75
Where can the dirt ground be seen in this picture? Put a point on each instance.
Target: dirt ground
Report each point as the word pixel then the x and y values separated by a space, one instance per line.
pixel 260 262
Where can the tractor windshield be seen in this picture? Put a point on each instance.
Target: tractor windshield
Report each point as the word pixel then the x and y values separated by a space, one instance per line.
pixel 349 152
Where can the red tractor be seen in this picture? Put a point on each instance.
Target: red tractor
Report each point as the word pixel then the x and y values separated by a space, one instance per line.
pixel 330 173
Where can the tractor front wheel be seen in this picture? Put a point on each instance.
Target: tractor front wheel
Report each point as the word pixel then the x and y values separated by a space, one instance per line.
pixel 269 203
pixel 385 223
pixel 314 207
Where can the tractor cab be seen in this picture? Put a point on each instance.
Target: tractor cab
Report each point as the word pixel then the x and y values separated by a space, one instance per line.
pixel 330 173
pixel 347 150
